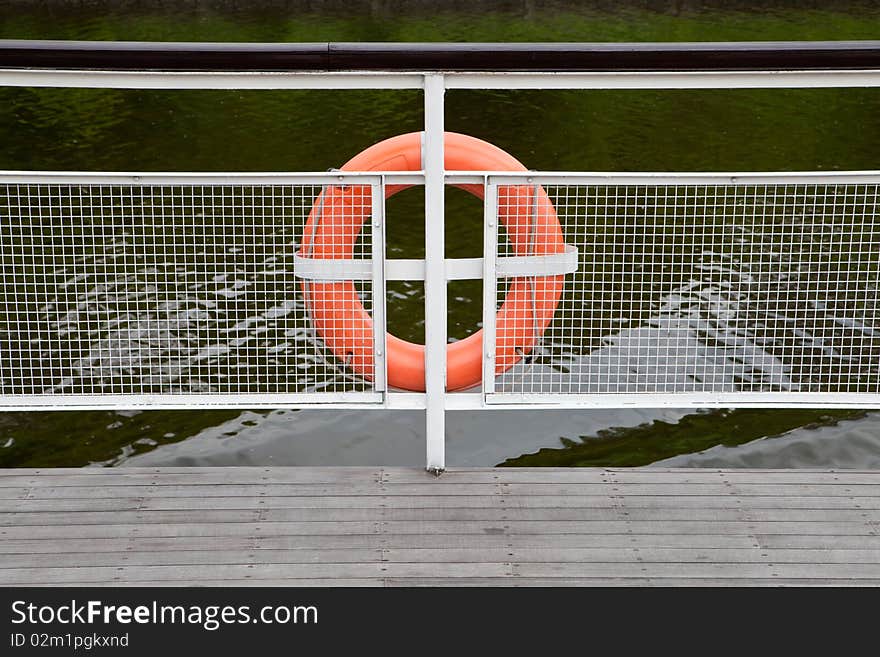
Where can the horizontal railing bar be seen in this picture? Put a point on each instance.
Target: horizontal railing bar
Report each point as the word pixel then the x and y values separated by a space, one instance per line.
pixel 683 178
pixel 203 178
pixel 88 79
pixel 452 177
pixel 683 79
pixel 397 400
pixel 100 401
pixel 201 56
pixel 688 400
pixel 465 178
pixel 336 80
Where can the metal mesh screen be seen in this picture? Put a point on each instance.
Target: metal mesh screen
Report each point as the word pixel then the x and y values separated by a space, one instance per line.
pixel 169 289
pixel 696 288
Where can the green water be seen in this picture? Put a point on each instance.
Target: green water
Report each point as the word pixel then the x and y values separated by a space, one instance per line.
pixel 71 129
pixel 649 443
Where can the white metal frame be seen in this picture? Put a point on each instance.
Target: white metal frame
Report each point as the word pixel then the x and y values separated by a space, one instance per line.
pixel 648 400
pixel 373 270
pixel 436 270
pixel 771 79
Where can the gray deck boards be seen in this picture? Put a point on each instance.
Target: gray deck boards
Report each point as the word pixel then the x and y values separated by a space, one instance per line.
pixel 470 527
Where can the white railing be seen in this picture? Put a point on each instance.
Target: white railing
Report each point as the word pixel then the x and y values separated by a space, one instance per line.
pixel 746 289
pixel 694 290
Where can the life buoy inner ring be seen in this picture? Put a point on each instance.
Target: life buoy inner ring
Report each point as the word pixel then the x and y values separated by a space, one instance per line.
pixel 331 232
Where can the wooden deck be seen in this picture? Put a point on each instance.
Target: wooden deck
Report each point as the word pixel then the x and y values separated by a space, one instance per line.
pixel 402 527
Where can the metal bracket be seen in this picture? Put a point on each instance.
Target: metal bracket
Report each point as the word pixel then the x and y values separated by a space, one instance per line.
pixel 327 270
pixel 457 269
pixel 551 264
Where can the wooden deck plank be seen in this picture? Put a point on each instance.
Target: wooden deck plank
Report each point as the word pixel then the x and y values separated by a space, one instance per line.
pixel 330 475
pixel 717 570
pixel 439 528
pixel 369 478
pixel 624 582
pixel 465 490
pixel 136 574
pixel 399 526
pixel 496 582
pixel 119 477
pixel 373 582
pixel 450 571
pixel 407 541
pixel 241 502
pixel 377 514
pixel 261 556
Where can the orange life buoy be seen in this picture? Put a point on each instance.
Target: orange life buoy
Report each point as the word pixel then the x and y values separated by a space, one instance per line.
pixel 331 232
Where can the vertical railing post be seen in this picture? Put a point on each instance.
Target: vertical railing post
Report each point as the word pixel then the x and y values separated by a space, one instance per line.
pixel 435 273
pixel 379 299
pixel 490 252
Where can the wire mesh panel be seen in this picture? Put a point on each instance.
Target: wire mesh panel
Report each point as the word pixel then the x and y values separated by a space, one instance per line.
pixel 173 291
pixel 692 288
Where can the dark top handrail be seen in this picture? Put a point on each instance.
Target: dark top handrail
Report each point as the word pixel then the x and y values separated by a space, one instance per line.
pixel 702 56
